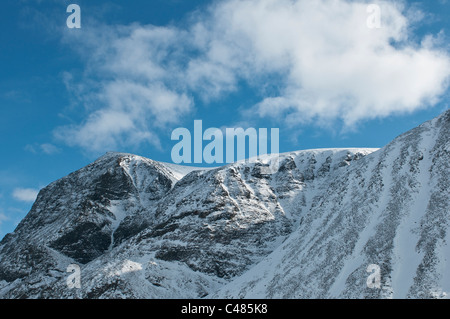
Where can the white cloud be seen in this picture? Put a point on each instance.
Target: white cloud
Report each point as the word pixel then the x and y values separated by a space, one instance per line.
pixel 319 57
pixel 131 113
pixel 137 90
pixel 25 194
pixel 329 64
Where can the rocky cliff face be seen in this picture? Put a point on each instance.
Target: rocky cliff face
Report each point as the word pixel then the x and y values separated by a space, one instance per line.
pixel 390 209
pixel 144 229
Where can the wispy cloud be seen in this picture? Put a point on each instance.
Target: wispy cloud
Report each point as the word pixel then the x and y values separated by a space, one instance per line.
pixel 25 194
pixel 3 218
pixel 45 148
pixel 138 90
pixel 17 96
pixel 319 58
pixel 48 148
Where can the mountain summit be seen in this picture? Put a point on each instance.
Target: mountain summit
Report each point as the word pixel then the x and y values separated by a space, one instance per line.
pixel 144 229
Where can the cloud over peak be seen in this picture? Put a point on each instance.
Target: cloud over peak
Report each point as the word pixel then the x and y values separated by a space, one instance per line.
pixel 323 60
pixel 332 64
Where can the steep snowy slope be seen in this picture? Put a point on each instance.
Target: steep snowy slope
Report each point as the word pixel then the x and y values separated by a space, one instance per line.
pixel 391 208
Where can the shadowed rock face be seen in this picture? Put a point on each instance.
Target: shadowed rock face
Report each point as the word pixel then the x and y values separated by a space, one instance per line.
pixel 84 243
pixel 75 215
pixel 143 229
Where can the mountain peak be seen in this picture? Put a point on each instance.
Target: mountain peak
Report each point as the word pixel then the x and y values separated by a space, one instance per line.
pixel 309 230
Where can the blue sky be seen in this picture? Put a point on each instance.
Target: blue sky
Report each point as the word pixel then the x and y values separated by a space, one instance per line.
pixel 136 70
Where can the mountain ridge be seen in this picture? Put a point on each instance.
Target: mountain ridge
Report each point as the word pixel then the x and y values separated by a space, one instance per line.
pixel 145 229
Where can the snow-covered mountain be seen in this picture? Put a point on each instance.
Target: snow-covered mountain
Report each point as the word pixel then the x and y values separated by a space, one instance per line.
pixel 145 229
